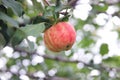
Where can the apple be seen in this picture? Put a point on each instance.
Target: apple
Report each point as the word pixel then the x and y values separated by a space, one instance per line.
pixel 60 37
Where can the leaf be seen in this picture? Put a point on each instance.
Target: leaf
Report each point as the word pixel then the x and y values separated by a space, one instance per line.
pixel 65 18
pixel 49 11
pixel 18 36
pixel 104 75
pixel 3 8
pixel 86 42
pixel 31 45
pixel 34 68
pixel 14 5
pixel 33 30
pixel 104 49
pixel 11 21
pixel 31 69
pixel 112 61
pixel 100 8
pixel 39 19
pixel 10 62
pixel 11 31
pixel 38 6
pixel 59 8
pixel 28 30
pixel 2 41
pixel 38 40
pixel 58 3
pixel 0 2
pixel 4 32
pixel 80 24
pixel 85 70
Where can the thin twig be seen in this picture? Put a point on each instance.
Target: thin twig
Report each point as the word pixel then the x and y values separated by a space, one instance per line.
pixel 46 2
pixel 72 3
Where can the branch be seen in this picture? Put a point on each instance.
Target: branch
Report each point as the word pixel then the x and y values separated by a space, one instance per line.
pixel 72 3
pixel 57 58
pixel 108 2
pixel 56 78
pixel 32 77
pixel 101 67
pixel 46 2
pixel 112 2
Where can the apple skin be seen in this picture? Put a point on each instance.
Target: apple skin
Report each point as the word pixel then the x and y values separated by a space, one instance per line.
pixel 60 37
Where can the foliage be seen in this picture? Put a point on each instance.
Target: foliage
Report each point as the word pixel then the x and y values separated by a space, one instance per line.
pixel 24 56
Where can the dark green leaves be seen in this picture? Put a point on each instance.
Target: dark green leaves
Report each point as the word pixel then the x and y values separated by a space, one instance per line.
pixel 33 30
pixel 28 30
pixel 2 41
pixel 8 19
pixel 37 6
pixel 49 10
pixel 8 9
pixel 39 19
pixel 104 49
pixel 18 36
pixel 14 5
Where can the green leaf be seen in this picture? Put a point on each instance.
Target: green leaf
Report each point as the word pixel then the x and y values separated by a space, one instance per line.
pixel 10 62
pixel 49 11
pixel 11 21
pixel 38 6
pixel 31 45
pixel 28 30
pixel 0 2
pixel 86 42
pixel 3 9
pixel 80 24
pixel 34 68
pixel 104 75
pixel 2 41
pixel 58 3
pixel 18 36
pixel 11 31
pixel 33 30
pixel 85 70
pixel 4 32
pixel 31 69
pixel 59 8
pixel 15 77
pixel 14 5
pixel 39 39
pixel 65 18
pixel 104 49
pixel 112 61
pixel 100 8
pixel 39 19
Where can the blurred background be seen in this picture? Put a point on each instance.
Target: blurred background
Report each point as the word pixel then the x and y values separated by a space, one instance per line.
pixel 94 56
